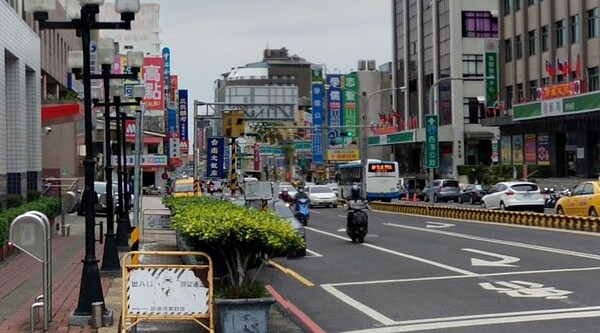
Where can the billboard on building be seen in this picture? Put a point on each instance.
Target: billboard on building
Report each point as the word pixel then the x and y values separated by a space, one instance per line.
pixel 517 149
pixel 334 106
pixel 543 149
pixel 317 121
pixel 530 149
pixel 153 76
pixel 351 105
pixel 183 115
pixel 506 148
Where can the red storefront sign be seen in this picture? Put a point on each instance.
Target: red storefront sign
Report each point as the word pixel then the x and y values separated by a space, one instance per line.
pixel 152 74
pixel 256 157
pixel 560 90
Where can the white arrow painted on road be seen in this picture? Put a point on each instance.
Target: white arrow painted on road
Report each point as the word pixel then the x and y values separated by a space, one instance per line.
pixel 505 261
pixel 438 225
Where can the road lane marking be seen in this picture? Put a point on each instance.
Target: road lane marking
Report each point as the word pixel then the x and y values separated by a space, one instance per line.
pixel 357 305
pixel 431 224
pixel 313 253
pixel 505 261
pixel 486 319
pixel 451 277
pixel 525 289
pixel 400 254
pixel 497 241
pixel 295 275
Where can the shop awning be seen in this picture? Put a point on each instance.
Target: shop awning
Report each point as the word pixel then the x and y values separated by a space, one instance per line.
pixel 54 114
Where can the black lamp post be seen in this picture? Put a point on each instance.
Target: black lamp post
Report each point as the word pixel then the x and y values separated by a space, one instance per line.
pixel 126 188
pixel 106 51
pixel 90 288
pixel 123 226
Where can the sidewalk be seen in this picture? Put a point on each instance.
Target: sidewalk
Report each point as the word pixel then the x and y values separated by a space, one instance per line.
pixel 21 283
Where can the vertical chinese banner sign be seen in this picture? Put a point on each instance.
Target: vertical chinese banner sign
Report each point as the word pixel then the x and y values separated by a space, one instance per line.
pixel 351 105
pixel 530 149
pixel 152 74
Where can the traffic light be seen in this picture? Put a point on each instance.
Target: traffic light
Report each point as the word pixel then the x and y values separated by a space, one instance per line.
pixel 347 134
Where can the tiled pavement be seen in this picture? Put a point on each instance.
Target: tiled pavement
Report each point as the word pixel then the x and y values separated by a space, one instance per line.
pixel 21 283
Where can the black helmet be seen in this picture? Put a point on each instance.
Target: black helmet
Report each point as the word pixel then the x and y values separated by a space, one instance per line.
pixel 355 190
pixel 300 189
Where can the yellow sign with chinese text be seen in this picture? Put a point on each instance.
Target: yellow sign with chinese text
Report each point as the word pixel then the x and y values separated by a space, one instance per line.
pixel 343 154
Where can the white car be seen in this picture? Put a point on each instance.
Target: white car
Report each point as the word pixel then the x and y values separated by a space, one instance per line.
pixel 321 195
pixel 514 195
pixel 334 187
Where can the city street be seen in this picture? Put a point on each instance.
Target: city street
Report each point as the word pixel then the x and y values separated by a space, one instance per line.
pixel 416 273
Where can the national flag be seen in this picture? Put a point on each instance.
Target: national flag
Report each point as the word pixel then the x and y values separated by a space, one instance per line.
pixel 550 69
pixel 567 68
pixel 578 67
pixel 559 65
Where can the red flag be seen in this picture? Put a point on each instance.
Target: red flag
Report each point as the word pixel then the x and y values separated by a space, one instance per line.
pixel 550 69
pixel 578 68
pixel 567 68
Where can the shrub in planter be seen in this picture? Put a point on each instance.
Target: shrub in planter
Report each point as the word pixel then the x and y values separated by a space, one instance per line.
pixel 33 195
pixel 238 237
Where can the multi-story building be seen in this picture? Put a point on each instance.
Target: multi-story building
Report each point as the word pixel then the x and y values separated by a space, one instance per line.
pixel 144 36
pixel 20 96
pixel 549 86
pixel 441 44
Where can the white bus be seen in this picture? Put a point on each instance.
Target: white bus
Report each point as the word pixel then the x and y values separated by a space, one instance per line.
pixel 382 179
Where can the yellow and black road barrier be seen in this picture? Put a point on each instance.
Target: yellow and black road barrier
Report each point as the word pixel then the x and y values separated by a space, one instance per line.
pixel 566 222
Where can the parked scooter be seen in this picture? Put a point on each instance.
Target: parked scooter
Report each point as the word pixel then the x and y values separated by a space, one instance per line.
pixel 302 210
pixel 357 226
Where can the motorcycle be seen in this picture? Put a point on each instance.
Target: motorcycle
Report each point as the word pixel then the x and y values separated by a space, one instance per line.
pixel 302 210
pixel 358 221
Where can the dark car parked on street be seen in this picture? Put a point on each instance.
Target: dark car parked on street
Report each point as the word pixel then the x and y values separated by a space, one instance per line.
pixel 473 193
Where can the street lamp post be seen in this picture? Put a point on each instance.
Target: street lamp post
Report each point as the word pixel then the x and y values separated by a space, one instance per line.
pixel 432 111
pixel 90 288
pixel 106 52
pixel 123 226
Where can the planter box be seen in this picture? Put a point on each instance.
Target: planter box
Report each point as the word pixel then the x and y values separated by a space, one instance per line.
pixel 243 315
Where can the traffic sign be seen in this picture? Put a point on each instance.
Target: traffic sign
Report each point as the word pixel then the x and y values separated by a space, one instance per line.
pixel 432 146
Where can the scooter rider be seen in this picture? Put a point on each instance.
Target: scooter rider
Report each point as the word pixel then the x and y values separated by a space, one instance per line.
pixel 285 196
pixel 354 196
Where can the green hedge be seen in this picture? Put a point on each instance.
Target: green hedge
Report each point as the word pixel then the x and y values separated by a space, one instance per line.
pixel 237 238
pixel 51 207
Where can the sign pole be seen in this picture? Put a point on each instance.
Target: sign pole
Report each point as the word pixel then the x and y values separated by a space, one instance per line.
pixel 432 153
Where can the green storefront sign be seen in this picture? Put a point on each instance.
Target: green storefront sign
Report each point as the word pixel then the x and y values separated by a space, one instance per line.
pixel 589 102
pixel 394 138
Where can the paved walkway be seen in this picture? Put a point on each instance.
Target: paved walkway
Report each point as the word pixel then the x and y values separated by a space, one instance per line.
pixel 21 283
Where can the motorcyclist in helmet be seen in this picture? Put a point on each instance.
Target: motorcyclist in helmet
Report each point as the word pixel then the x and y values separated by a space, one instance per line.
pixel 355 193
pixel 300 194
pixel 285 196
pixel 354 196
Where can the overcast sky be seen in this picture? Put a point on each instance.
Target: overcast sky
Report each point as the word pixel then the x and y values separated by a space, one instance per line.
pixel 209 37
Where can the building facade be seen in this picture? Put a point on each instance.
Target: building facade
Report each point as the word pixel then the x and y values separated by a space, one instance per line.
pixel 438 51
pixel 549 87
pixel 20 96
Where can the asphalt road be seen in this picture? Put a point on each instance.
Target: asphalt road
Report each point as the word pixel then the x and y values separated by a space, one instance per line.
pixel 420 274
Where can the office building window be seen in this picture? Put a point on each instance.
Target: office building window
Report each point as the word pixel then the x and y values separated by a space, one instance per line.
pixel 561 30
pixel 506 7
pixel 520 93
pixel 508 50
pixel 509 97
pixel 544 38
pixel 593 22
pixel 479 24
pixel 531 42
pixel 473 110
pixel 575 26
pixel 519 47
pixel 533 85
pixel 545 81
pixel 473 65
pixel 518 5
pixel 593 83
pixel 530 2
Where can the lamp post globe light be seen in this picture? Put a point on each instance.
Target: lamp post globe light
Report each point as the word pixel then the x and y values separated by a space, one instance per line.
pixel 90 287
